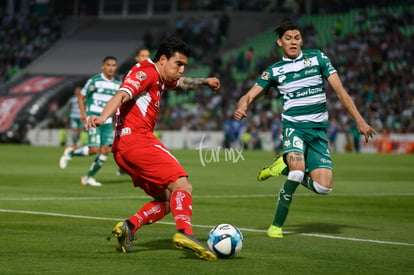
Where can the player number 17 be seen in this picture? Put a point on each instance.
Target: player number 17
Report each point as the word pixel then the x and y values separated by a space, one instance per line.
pixel 289 131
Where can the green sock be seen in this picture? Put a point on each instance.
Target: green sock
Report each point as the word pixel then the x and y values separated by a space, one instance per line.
pixel 75 139
pixel 283 203
pixel 96 165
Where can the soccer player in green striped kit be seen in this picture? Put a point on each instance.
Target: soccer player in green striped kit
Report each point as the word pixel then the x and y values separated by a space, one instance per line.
pixel 96 92
pixel 299 78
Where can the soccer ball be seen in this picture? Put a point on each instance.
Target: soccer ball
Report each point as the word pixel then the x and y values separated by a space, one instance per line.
pixel 225 240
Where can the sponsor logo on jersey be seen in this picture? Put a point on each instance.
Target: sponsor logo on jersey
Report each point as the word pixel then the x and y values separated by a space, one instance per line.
pixel 135 84
pixel 265 76
pixel 124 131
pixel 298 143
pixel 324 160
pixel 91 88
pixel 281 78
pixel 311 71
pixel 307 62
pixel 308 92
pixel 141 75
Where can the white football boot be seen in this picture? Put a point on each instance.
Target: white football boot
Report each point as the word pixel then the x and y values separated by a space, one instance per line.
pixel 90 181
pixel 65 158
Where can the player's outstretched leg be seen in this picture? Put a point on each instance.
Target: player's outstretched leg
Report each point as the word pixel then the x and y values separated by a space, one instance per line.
pixel 66 157
pixel 182 240
pixel 283 203
pixel 181 208
pixel 277 168
pixel 125 237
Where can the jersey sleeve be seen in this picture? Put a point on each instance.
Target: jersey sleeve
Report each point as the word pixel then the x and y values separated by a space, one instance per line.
pixel 325 64
pixel 136 82
pixel 88 87
pixel 265 79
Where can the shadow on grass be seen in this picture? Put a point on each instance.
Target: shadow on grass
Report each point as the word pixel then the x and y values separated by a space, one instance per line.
pixel 322 228
pixel 160 244
pixel 167 244
pixel 117 181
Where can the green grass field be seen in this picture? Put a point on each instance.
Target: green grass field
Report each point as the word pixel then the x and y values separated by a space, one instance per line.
pixel 50 224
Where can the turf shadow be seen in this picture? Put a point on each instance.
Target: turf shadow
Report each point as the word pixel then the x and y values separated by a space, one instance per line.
pixel 321 228
pixel 160 244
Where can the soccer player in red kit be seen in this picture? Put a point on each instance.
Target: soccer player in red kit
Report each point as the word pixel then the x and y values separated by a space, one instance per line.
pixel 142 156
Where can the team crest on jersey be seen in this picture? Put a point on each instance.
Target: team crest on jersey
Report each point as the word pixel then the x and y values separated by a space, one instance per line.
pixel 307 62
pixel 91 88
pixel 265 76
pixel 141 75
pixel 286 143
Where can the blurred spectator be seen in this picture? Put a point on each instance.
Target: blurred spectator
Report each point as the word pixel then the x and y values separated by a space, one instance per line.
pixel 251 139
pixel 23 38
pixel 249 58
pixel 204 34
pixel 384 143
pixel 375 62
pixel 333 130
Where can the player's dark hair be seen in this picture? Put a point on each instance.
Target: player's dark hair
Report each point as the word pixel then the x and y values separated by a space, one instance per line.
pixel 286 25
pixel 141 49
pixel 171 45
pixel 109 57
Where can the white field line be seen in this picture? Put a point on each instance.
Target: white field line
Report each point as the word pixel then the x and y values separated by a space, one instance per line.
pixel 205 226
pixel 206 196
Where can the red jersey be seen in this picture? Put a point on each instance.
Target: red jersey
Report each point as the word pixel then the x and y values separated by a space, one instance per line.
pixel 139 115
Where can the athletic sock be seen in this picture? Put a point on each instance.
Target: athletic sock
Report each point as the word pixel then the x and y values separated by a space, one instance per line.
pixel 181 204
pixel 96 165
pixel 284 200
pixel 314 186
pixel 308 183
pixel 149 213
pixel 81 151
pixel 75 139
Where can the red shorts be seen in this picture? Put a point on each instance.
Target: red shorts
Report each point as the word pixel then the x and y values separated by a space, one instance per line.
pixel 152 167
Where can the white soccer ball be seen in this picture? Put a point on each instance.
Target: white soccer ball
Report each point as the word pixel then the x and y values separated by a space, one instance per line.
pixel 225 240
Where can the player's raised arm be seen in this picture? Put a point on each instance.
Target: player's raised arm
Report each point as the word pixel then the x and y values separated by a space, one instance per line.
pixel 343 96
pixel 246 100
pixel 110 109
pixel 188 83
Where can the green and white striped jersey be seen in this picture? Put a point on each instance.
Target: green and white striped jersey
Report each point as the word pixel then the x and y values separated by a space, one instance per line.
pixel 98 91
pixel 301 84
pixel 75 112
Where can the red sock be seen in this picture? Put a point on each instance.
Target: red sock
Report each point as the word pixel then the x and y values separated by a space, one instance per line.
pixel 181 204
pixel 149 213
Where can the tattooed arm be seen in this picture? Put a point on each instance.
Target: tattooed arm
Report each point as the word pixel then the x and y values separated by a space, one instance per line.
pixel 188 83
